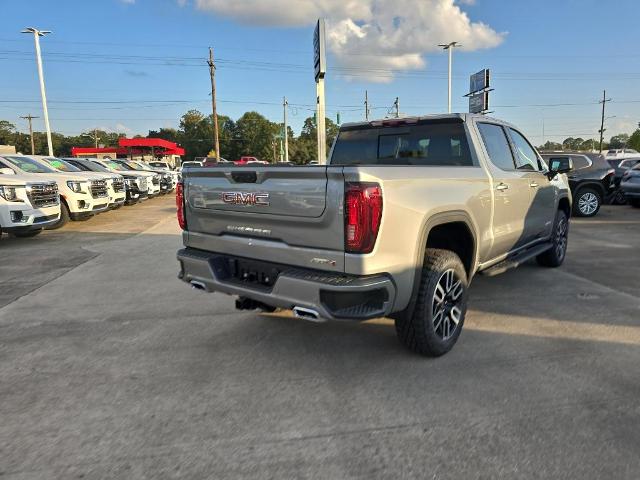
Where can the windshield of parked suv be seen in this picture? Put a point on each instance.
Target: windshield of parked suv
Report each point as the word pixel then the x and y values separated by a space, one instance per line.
pixel 117 166
pixel 130 165
pixel 61 165
pixel 430 143
pixel 29 165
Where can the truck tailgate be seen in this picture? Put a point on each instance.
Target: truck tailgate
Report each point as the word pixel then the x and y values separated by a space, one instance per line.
pixel 289 206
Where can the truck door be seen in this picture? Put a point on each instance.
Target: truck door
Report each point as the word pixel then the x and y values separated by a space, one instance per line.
pixel 541 215
pixel 511 191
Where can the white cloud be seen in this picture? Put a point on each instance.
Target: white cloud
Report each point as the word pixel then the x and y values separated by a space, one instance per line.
pixel 370 34
pixel 120 128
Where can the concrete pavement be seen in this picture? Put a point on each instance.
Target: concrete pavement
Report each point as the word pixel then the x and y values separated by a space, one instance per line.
pixel 112 368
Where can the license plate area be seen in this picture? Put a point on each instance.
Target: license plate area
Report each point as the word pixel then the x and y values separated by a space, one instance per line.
pixel 246 272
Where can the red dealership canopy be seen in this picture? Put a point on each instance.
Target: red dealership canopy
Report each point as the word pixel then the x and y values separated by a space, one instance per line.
pixel 136 146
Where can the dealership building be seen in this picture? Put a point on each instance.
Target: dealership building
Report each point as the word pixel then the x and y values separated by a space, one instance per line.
pixel 135 149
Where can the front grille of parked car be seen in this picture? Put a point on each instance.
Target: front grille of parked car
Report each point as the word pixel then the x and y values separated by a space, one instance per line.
pixel 142 184
pixel 155 179
pixel 43 194
pixel 99 189
pixel 118 185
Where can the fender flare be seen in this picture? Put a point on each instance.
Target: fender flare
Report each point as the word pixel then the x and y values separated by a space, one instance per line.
pixel 442 218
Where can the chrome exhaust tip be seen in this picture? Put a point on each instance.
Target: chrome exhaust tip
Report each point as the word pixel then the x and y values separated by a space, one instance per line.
pixel 307 314
pixel 198 285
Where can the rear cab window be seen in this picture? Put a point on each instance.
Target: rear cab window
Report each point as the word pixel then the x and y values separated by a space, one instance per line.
pixel 423 143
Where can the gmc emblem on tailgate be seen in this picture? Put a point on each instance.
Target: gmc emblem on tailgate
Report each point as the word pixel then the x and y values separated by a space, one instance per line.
pixel 246 198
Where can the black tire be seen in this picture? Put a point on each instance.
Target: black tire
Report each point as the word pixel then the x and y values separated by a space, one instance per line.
pixel 27 234
pixel 420 330
pixel 635 203
pixel 587 202
pixel 64 217
pixel 618 198
pixel 557 253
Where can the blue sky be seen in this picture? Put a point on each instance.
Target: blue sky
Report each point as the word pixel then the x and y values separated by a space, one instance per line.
pixel 144 61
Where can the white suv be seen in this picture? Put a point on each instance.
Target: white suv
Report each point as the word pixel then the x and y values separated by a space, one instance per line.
pixel 115 183
pixel 80 199
pixel 27 206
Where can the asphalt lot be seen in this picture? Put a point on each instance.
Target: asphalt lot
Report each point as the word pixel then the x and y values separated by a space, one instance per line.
pixel 112 368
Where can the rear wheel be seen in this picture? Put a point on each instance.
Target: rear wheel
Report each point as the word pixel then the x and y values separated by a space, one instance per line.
pixel 555 255
pixel 64 217
pixel 433 328
pixel 587 202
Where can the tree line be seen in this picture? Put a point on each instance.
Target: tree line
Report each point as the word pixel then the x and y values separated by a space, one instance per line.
pixel 252 135
pixel 621 140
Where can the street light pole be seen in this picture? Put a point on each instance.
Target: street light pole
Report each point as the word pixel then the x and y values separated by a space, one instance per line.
pixel 36 35
pixel 285 104
pixel 449 46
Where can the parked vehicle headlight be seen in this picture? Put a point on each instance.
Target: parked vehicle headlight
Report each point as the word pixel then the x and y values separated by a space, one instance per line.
pixel 10 194
pixel 77 187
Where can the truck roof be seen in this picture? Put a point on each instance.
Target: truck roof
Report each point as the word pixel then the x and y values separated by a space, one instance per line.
pixel 464 117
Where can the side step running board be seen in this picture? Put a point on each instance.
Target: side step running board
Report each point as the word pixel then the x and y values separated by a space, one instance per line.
pixel 516 260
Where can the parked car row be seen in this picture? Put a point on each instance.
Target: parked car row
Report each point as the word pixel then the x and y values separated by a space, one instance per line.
pixel 596 180
pixel 41 192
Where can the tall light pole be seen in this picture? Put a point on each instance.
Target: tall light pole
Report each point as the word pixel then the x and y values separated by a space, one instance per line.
pixel 285 129
pixel 450 47
pixel 36 35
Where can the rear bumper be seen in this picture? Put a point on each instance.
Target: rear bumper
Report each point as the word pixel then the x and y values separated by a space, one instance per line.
pixel 331 295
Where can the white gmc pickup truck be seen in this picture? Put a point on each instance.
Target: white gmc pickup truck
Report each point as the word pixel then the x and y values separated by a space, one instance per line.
pixel 406 212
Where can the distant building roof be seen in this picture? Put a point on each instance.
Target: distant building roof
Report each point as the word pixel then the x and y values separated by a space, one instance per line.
pixel 160 146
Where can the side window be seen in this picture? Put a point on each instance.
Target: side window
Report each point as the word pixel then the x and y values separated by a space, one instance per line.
pixel 497 145
pixel 580 162
pixel 526 156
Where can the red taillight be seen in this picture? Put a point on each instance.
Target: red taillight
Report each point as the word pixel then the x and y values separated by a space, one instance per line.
pixel 180 206
pixel 363 213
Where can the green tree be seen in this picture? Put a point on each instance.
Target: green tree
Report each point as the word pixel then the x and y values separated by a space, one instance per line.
pixel 619 141
pixel 255 136
pixel 634 140
pixel 550 146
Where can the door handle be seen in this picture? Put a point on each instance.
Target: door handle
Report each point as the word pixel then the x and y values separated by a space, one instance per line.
pixel 534 185
pixel 502 187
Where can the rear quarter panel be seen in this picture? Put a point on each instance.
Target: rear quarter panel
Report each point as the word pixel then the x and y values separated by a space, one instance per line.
pixel 415 197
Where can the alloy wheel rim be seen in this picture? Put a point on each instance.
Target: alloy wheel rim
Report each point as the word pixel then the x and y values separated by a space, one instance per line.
pixel 588 203
pixel 561 238
pixel 445 305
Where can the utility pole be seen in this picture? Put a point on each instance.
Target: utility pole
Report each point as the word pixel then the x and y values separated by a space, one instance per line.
pixel 30 118
pixel 285 132
pixel 36 35
pixel 95 134
pixel 396 104
pixel 212 74
pixel 602 129
pixel 366 105
pixel 449 46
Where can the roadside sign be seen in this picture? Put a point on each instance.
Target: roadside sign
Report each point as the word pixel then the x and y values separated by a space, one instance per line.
pixel 479 102
pixel 479 81
pixel 479 88
pixel 319 57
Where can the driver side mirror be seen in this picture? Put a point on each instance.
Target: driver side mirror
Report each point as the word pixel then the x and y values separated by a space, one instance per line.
pixel 560 165
pixel 6 171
